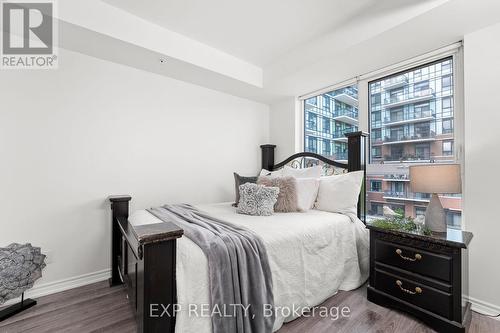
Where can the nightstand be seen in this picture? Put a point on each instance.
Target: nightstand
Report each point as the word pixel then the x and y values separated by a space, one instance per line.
pixel 425 276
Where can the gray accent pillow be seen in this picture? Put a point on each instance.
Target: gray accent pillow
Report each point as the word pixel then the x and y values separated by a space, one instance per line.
pixel 240 180
pixel 257 199
pixel 287 198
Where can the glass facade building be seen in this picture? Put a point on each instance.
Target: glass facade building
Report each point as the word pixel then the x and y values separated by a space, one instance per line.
pixel 411 119
pixel 327 118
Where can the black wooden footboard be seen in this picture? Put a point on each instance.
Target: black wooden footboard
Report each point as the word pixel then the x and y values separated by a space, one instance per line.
pixel 143 257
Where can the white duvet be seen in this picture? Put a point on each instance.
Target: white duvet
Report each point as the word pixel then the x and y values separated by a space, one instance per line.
pixel 312 255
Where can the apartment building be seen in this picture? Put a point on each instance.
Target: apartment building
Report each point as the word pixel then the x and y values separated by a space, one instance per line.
pixel 411 121
pixel 327 118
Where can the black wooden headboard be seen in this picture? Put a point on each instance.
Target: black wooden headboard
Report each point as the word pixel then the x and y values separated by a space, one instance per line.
pixel 356 161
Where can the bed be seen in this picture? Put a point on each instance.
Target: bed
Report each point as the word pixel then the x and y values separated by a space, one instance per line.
pixel 311 254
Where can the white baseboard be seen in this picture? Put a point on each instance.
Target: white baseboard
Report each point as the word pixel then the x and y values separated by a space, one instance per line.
pixel 62 285
pixel 484 308
pixel 44 289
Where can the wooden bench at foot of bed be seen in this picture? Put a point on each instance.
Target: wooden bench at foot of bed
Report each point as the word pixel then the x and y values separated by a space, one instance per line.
pixel 143 258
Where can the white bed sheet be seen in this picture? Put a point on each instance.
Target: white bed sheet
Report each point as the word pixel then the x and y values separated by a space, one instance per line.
pixel 312 255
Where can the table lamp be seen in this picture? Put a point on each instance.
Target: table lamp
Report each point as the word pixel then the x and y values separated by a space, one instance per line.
pixel 435 178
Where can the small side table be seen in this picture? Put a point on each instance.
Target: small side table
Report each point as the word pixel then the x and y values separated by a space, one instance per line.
pixel 425 276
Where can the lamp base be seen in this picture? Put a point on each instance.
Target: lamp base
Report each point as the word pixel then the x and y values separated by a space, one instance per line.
pixel 435 217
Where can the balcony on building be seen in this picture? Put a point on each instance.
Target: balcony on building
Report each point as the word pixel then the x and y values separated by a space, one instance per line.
pixel 409 118
pixel 340 156
pixel 409 98
pixel 407 196
pixel 396 177
pixel 376 124
pixel 319 134
pixel 397 159
pixel 377 141
pixel 348 95
pixel 339 135
pixel 415 137
pixel 322 111
pixel 395 82
pixel 345 115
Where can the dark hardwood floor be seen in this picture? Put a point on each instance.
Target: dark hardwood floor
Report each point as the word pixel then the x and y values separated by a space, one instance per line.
pixel 98 308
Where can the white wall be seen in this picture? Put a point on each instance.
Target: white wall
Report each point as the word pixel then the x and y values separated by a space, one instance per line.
pixel 72 136
pixel 285 131
pixel 482 162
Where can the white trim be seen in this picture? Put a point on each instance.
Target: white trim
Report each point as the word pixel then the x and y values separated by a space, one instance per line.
pixel 336 86
pixel 45 289
pixel 300 130
pixel 421 59
pixel 484 308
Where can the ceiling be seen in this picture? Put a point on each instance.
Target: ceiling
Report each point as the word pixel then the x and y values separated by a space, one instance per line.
pixel 256 31
pixel 266 50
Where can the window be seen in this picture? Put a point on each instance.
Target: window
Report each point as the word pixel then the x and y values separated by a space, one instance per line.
pixel 335 110
pixel 424 85
pixel 311 121
pixel 312 144
pixel 396 152
pixel 453 219
pixel 375 185
pixel 447 148
pixel 422 110
pixel 447 108
pixel 422 130
pixel 396 115
pixel 376 119
pixel 312 101
pixel 398 188
pixel 420 211
pixel 447 126
pixel 446 82
pixel 327 150
pixel 446 66
pixel 326 125
pixel 416 126
pixel 397 133
pixel 326 103
pixel 423 151
pixel 377 134
pixel 376 209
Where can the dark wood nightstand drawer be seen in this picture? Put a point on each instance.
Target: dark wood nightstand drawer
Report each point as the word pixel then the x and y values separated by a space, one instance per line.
pixel 415 292
pixel 413 259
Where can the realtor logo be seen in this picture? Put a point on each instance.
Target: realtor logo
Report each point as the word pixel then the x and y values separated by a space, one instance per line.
pixel 28 35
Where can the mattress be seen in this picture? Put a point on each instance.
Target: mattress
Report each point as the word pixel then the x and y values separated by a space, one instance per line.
pixel 311 254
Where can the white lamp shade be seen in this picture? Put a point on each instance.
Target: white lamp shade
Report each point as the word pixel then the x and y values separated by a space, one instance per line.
pixel 436 178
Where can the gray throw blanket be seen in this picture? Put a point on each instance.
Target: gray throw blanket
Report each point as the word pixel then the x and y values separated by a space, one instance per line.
pixel 238 269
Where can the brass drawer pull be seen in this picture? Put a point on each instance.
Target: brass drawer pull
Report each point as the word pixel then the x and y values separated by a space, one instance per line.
pixel 418 290
pixel 418 256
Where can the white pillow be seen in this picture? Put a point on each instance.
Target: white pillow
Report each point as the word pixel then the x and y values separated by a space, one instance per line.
pixel 272 174
pixel 312 172
pixel 307 191
pixel 339 193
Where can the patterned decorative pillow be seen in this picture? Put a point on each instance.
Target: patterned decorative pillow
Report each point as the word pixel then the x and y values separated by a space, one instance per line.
pixel 239 180
pixel 257 199
pixel 287 198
